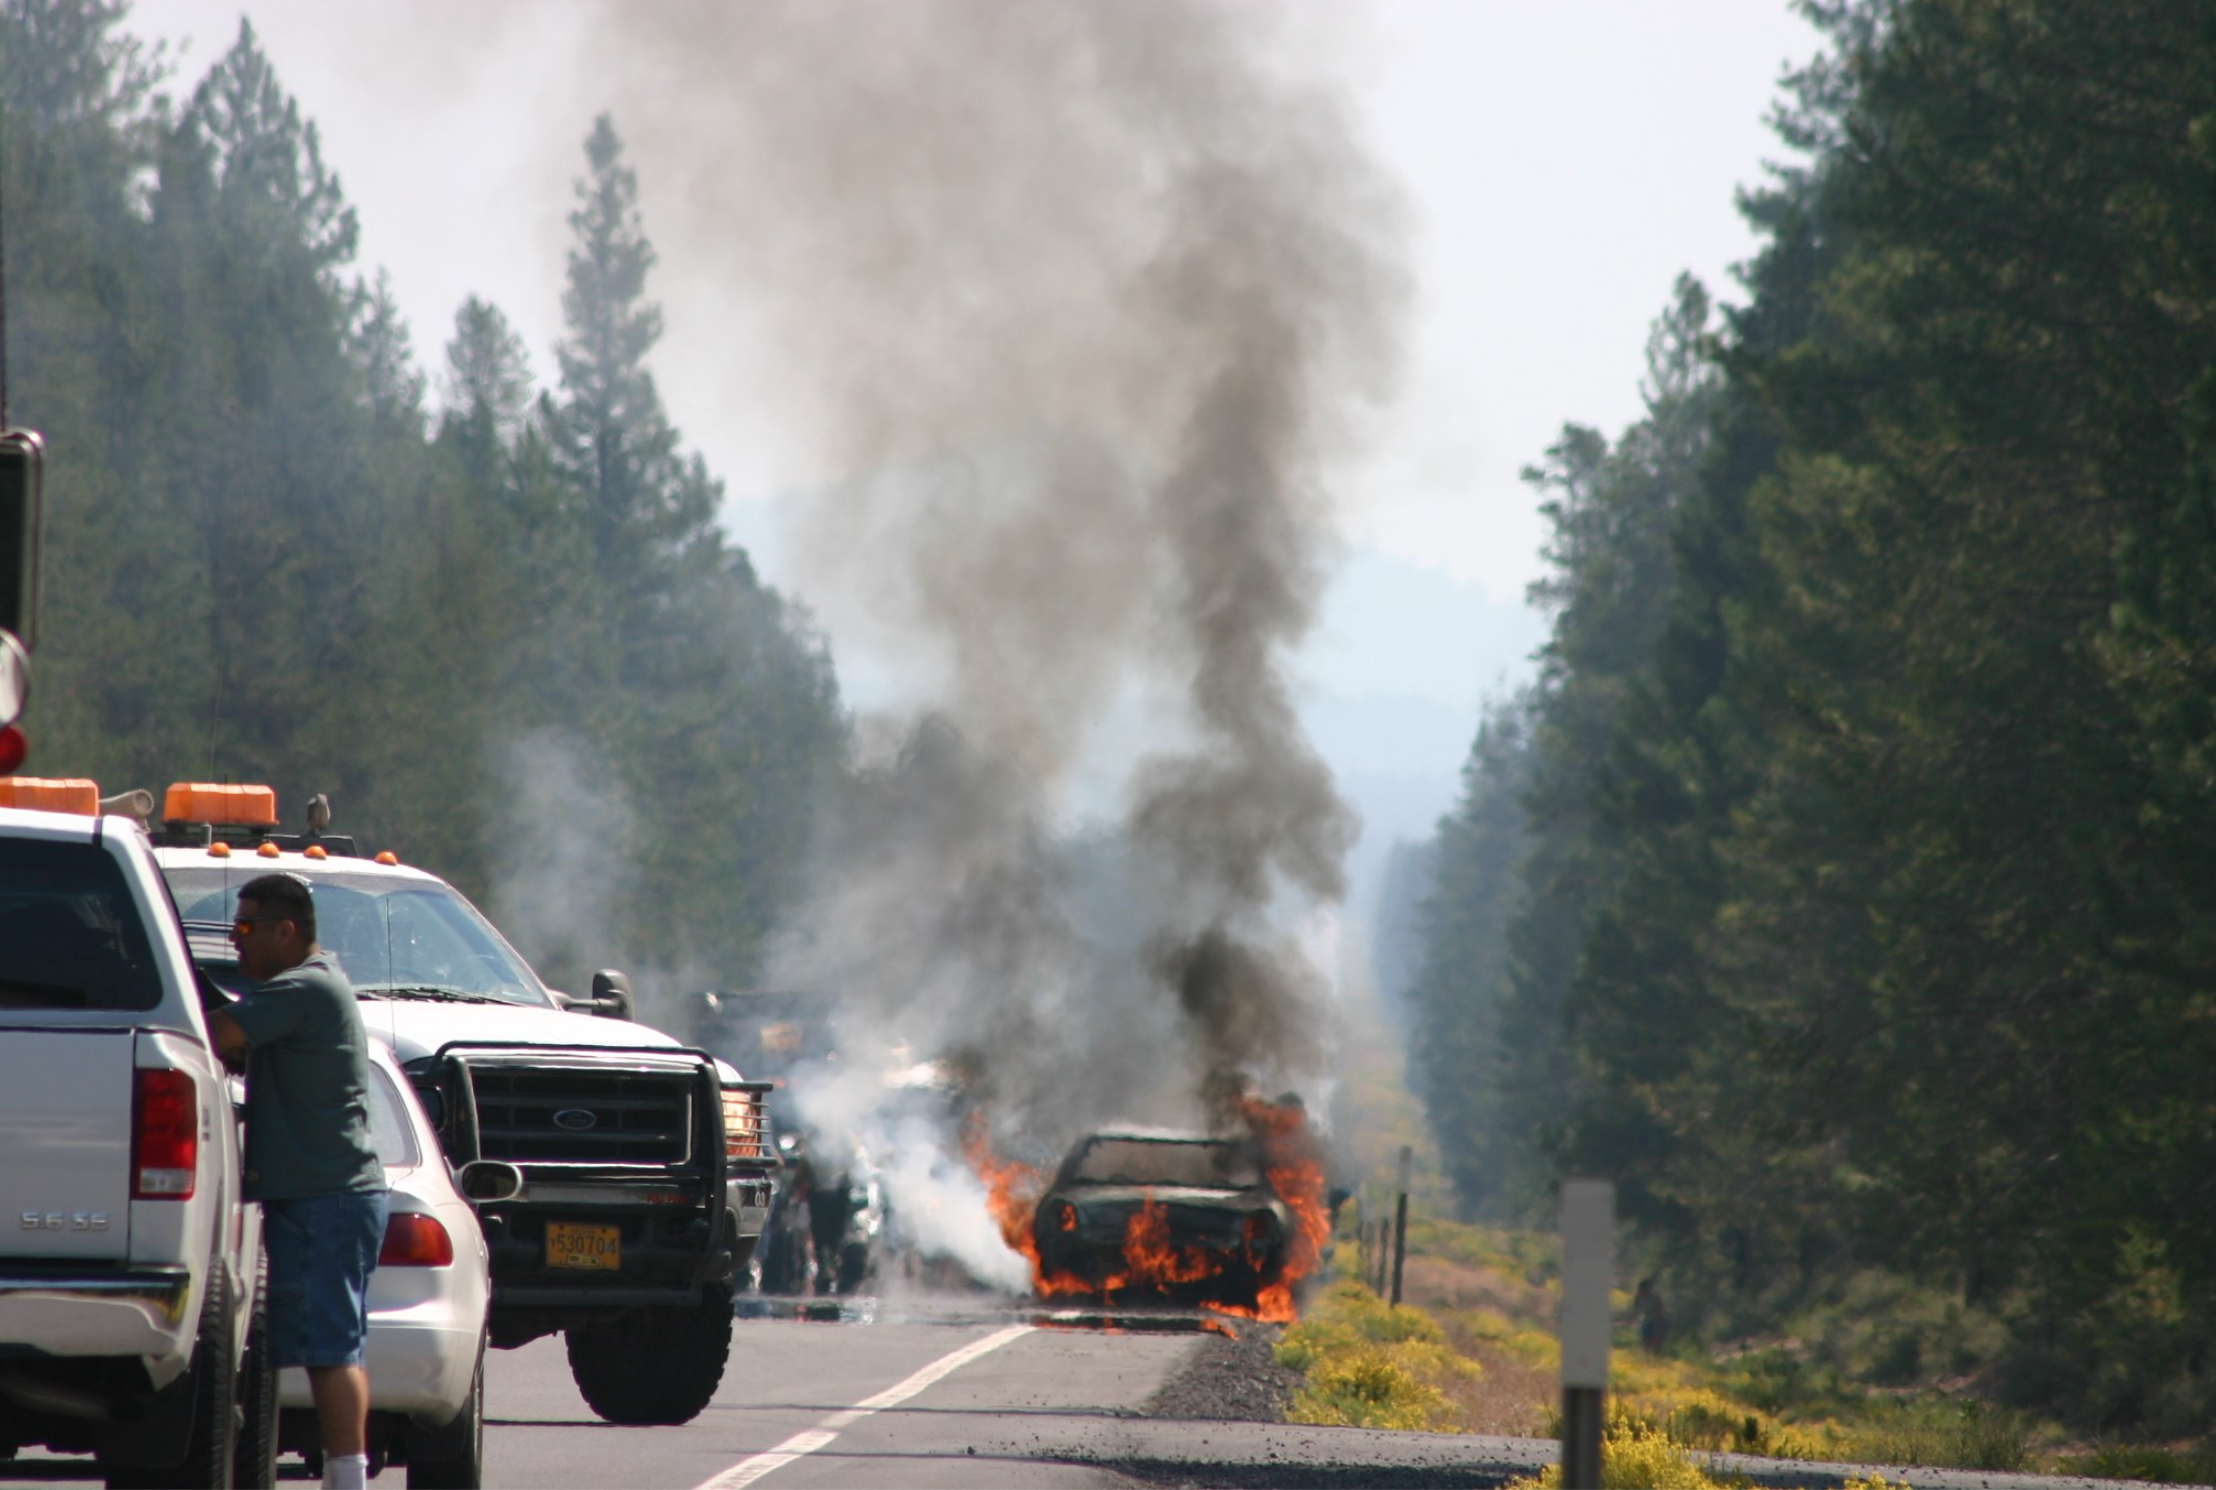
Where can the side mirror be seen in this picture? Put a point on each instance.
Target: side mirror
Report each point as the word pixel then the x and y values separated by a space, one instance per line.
pixel 703 1009
pixel 483 1181
pixel 611 994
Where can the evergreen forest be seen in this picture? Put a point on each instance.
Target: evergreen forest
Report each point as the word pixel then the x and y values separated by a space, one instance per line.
pixel 1844 887
pixel 493 619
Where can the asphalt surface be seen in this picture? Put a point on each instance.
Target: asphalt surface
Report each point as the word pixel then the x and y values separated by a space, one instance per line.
pixel 971 1393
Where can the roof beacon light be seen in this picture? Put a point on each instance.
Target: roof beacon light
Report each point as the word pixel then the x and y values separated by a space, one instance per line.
pixel 219 850
pixel 231 806
pixel 268 850
pixel 51 794
pixel 387 856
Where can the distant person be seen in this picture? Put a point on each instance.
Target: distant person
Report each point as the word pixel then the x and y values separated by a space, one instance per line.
pixel 1650 1317
pixel 308 1156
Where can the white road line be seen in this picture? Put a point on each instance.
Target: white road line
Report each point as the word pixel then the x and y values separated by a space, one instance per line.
pixel 747 1471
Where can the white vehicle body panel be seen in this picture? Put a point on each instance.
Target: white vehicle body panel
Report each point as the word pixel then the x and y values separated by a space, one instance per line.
pixel 66 1094
pixel 65 1175
pixel 415 1030
pixel 426 1324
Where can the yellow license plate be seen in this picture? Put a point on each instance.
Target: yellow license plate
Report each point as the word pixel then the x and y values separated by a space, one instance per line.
pixel 571 1245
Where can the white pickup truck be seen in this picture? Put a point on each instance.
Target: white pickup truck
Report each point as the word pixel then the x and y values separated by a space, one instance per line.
pixel 130 1271
pixel 645 1166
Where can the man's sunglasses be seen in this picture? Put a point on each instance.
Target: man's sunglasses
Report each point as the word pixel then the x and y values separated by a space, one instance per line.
pixel 245 925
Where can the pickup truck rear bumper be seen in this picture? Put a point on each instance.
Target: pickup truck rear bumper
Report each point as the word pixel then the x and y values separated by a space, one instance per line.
pixel 147 1313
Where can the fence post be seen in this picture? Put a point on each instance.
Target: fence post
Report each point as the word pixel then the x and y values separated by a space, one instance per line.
pixel 1400 1223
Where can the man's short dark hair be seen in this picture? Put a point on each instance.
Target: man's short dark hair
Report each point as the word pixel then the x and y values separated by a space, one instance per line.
pixel 284 897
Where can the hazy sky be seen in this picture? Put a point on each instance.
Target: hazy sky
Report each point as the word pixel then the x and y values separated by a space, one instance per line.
pixel 1566 162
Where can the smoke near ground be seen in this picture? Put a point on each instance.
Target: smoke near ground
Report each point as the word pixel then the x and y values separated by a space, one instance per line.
pixel 1074 305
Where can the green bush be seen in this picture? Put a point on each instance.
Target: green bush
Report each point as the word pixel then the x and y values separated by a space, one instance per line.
pixel 1635 1455
pixel 1366 1364
pixel 1941 1434
pixel 2153 1462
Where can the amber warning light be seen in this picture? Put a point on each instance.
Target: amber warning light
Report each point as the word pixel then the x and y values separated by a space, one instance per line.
pixel 206 802
pixel 74 794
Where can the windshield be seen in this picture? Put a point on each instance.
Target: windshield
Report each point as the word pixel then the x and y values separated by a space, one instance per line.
pixel 1166 1161
pixel 391 936
pixel 70 938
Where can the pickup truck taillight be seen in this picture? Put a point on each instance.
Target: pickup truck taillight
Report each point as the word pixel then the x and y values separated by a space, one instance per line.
pixel 165 1136
pixel 414 1240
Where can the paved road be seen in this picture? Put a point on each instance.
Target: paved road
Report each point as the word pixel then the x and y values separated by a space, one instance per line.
pixel 961 1395
pixel 948 1396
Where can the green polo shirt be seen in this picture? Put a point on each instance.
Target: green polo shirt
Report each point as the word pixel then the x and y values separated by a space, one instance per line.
pixel 307 1087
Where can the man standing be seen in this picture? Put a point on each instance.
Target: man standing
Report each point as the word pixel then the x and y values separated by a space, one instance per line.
pixel 308 1156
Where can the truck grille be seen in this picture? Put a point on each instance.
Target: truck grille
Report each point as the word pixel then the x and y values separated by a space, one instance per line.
pixel 579 1116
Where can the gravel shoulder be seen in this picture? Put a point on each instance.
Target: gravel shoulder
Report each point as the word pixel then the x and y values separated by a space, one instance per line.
pixel 1230 1379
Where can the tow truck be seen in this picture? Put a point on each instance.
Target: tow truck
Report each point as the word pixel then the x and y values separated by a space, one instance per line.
pixel 637 1170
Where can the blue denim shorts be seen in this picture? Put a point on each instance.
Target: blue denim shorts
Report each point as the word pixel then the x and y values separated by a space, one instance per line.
pixel 321 1253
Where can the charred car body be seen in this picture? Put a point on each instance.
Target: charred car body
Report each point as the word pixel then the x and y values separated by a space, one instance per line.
pixel 622 1179
pixel 1173 1213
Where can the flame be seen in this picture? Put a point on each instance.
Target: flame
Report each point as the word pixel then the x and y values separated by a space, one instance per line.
pixel 1150 1261
pixel 1295 1171
pixel 1011 1189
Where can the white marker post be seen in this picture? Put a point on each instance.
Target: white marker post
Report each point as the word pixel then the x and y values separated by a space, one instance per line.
pixel 1588 1266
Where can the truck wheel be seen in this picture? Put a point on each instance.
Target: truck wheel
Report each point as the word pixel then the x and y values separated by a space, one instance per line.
pixel 213 1442
pixel 256 1462
pixel 653 1366
pixel 451 1456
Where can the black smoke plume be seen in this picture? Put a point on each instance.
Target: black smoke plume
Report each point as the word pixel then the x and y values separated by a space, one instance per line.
pixel 1066 312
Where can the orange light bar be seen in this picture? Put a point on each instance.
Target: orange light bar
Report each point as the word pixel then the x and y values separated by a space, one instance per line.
pixel 50 794
pixel 233 806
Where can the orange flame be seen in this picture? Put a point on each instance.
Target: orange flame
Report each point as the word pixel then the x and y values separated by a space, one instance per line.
pixel 1289 1161
pixel 1295 1171
pixel 1011 1189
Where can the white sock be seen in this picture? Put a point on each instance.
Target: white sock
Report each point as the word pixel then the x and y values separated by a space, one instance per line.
pixel 346 1472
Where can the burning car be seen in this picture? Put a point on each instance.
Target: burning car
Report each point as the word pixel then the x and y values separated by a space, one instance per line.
pixel 1178 1214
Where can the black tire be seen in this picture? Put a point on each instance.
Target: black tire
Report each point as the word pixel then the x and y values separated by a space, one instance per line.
pixel 854 1266
pixel 451 1456
pixel 211 1449
pixel 255 1465
pixel 785 1269
pixel 657 1366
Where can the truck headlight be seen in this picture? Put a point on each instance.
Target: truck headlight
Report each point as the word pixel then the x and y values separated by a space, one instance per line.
pixel 745 1126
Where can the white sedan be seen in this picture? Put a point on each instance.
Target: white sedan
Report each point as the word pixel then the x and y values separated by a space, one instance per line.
pixel 427 1304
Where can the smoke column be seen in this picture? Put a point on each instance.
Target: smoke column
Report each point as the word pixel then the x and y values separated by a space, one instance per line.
pixel 1076 303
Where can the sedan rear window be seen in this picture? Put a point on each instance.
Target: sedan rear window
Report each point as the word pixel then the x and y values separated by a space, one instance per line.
pixel 70 935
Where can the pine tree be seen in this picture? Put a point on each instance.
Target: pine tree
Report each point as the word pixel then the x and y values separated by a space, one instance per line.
pixel 643 500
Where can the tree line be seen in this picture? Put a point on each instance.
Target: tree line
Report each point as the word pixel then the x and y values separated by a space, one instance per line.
pixel 498 624
pixel 1844 886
